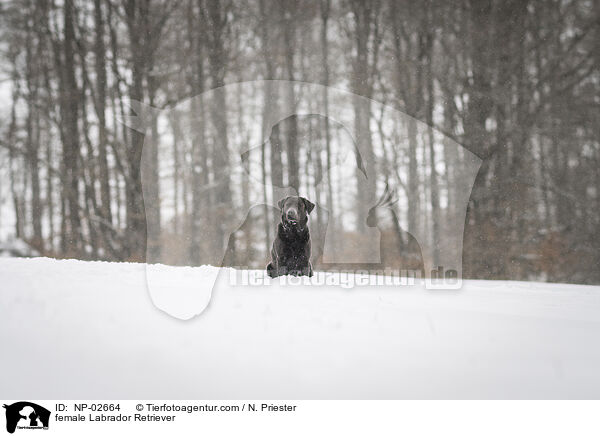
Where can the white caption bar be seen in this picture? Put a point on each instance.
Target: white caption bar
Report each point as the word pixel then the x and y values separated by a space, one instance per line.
pixel 251 417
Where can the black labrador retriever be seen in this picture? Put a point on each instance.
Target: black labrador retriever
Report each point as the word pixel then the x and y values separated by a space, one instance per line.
pixel 291 248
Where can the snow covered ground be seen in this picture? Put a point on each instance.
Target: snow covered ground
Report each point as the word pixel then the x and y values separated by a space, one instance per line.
pixel 73 329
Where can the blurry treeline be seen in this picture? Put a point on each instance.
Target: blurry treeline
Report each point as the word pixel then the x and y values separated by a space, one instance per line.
pixel 515 82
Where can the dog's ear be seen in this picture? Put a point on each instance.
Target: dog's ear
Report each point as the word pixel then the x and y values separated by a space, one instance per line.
pixel 281 202
pixel 309 206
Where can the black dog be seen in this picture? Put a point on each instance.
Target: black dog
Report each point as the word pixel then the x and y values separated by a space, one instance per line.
pixel 291 249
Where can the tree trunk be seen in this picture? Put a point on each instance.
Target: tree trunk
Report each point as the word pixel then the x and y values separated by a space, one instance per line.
pixel 217 23
pixel 100 67
pixel 69 117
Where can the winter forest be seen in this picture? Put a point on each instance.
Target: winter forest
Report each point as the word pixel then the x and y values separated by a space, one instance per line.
pixel 166 131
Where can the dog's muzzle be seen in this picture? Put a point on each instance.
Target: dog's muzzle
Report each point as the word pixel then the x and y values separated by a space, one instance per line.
pixel 292 217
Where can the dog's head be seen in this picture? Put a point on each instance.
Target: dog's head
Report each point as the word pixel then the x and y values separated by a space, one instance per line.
pixel 295 211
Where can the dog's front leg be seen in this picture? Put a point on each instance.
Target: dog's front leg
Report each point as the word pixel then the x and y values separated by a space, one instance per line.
pixel 271 270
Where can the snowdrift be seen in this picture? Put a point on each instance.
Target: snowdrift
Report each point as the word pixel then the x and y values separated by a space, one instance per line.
pixel 73 329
